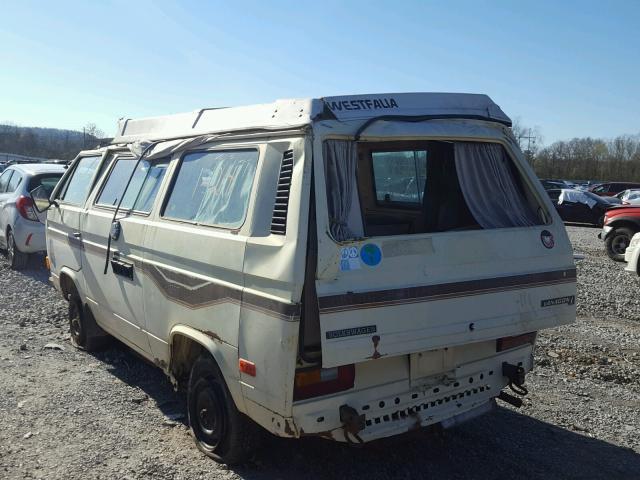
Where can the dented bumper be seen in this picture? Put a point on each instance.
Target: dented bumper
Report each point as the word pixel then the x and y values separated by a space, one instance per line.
pixel 395 408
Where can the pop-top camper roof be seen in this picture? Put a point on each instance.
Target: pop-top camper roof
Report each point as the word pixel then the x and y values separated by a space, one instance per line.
pixel 296 113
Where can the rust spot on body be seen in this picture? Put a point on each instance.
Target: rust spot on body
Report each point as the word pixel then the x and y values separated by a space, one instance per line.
pixel 288 429
pixel 211 334
pixel 160 363
pixel 376 354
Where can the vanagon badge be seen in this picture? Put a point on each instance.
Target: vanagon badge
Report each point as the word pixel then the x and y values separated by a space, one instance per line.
pixel 547 239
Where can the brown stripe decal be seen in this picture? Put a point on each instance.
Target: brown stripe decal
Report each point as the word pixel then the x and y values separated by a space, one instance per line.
pixel 193 292
pixel 384 298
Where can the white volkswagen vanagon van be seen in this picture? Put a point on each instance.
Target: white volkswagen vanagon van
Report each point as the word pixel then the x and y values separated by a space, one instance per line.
pixel 349 267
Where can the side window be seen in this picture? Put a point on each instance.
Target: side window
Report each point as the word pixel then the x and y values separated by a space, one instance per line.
pixel 400 177
pixel 15 181
pixel 213 188
pixel 77 187
pixel 601 189
pixel 4 180
pixel 143 188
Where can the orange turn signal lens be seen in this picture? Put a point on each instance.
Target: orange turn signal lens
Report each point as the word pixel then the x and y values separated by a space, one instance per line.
pixel 47 263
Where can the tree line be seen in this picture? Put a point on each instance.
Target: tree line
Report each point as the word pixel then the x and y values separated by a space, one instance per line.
pixel 590 159
pixel 48 142
pixel 616 159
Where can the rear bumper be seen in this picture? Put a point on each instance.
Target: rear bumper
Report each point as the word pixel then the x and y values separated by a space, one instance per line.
pixel 29 236
pixel 395 408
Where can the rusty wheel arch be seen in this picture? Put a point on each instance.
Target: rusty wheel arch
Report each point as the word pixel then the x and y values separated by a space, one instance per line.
pixel 184 352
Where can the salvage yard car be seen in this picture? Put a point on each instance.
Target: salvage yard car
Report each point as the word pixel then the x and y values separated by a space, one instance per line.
pixel 21 230
pixel 610 189
pixel 348 267
pixel 578 206
pixel 619 226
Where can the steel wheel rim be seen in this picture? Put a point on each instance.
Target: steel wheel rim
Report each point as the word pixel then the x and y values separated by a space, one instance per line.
pixel 209 416
pixel 619 244
pixel 76 328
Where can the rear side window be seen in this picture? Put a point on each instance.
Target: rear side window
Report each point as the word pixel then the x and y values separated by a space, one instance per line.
pixel 213 188
pixel 47 181
pixel 143 188
pixel 15 181
pixel 4 180
pixel 400 176
pixel 77 187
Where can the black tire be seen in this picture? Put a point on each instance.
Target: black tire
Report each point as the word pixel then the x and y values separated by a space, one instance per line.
pixel 17 259
pixel 220 430
pixel 617 242
pixel 86 334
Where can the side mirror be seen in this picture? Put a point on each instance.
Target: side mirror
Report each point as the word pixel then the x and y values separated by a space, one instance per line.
pixel 40 197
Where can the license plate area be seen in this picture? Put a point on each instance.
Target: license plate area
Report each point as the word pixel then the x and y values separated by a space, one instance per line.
pixel 433 367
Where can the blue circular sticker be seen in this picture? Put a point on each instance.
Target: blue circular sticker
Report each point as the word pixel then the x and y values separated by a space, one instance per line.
pixel 371 254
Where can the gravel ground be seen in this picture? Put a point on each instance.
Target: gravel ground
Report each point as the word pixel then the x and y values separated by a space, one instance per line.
pixel 71 415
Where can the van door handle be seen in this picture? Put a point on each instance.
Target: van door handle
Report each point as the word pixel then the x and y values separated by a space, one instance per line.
pixel 119 267
pixel 77 235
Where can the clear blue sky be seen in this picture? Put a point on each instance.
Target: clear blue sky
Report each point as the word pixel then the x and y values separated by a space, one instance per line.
pixel 570 68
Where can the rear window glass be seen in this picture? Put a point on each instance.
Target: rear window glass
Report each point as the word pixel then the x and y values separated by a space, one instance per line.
pixel 143 188
pixel 400 176
pixel 213 188
pixel 48 182
pixel 77 187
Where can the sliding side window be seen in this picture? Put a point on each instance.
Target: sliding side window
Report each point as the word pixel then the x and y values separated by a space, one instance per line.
pixel 213 188
pixel 143 188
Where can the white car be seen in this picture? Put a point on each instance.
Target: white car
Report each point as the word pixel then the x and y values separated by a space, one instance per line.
pixel 631 196
pixel 631 255
pixel 21 229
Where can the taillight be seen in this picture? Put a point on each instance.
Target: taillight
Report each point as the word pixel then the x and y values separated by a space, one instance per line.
pixel 507 343
pixel 314 382
pixel 25 208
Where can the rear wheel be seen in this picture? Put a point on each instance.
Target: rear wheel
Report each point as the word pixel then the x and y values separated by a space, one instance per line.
pixel 17 259
pixel 617 243
pixel 86 334
pixel 220 430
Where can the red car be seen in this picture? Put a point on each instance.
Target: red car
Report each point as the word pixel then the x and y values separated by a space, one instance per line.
pixel 610 189
pixel 620 224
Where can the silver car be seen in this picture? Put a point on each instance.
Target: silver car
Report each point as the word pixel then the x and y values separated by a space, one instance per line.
pixel 21 228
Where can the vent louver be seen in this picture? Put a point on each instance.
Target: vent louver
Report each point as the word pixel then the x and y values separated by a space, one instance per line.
pixel 279 218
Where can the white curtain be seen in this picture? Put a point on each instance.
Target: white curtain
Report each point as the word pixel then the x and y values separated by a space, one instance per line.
pixel 489 186
pixel 340 162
